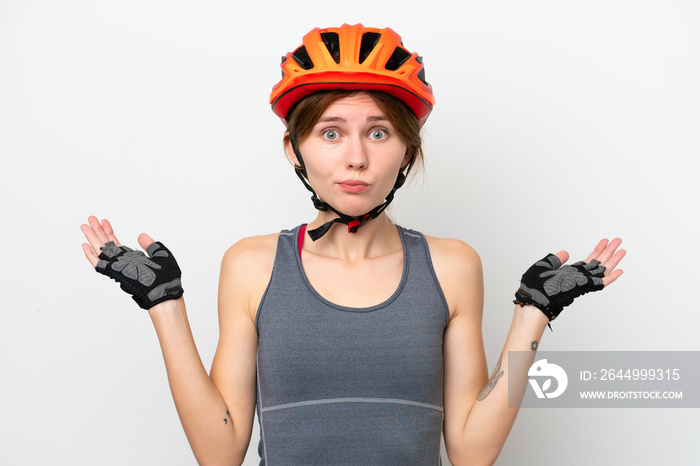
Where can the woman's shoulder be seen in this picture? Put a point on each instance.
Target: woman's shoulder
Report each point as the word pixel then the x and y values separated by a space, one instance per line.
pixel 458 270
pixel 246 269
pixel 252 251
pixel 451 253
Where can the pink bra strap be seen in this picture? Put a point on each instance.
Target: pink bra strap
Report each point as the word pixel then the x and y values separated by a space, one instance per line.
pixel 302 234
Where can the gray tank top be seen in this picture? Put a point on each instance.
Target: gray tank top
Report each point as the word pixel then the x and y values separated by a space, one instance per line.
pixel 341 385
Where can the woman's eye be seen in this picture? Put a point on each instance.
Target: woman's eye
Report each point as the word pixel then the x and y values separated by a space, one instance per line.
pixel 330 134
pixel 378 134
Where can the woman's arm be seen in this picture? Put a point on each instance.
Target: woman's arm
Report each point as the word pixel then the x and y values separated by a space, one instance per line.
pixel 217 429
pixel 217 412
pixel 477 416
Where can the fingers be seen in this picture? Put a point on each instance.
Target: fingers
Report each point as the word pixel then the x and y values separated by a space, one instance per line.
pixel 103 231
pixel 614 275
pixel 563 256
pixel 91 235
pixel 599 249
pixel 145 241
pixel 615 259
pixel 107 227
pixel 606 253
pixel 609 251
pixel 611 273
pixel 90 254
pixel 98 234
pixel 609 256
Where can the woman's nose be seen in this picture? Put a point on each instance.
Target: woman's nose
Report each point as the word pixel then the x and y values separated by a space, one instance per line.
pixel 356 154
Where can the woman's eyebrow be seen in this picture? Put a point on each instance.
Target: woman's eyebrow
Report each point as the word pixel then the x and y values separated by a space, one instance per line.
pixel 342 120
pixel 331 119
pixel 377 118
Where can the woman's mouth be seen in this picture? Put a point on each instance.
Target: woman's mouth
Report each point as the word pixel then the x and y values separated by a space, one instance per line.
pixel 353 186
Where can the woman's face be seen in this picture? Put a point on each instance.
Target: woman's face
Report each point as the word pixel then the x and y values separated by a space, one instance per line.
pixel 353 155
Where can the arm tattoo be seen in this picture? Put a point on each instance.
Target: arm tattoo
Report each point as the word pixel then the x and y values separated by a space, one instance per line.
pixel 534 345
pixel 497 374
pixel 228 416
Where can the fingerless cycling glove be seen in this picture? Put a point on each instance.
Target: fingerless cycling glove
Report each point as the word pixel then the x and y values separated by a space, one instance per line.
pixel 149 279
pixel 551 287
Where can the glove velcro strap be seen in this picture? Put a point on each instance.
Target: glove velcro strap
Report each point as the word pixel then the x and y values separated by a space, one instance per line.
pixel 170 290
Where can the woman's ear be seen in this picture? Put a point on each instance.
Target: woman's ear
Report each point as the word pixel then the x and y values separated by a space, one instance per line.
pixel 289 150
pixel 407 158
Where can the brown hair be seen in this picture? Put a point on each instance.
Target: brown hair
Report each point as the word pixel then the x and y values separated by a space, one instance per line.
pixel 306 113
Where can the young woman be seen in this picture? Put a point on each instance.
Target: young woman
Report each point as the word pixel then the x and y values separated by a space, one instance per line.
pixel 357 340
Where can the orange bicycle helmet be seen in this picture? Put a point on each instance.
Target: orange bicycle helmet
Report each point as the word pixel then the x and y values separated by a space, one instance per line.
pixel 355 58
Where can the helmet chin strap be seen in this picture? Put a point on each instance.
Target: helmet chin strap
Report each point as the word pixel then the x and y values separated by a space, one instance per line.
pixel 353 223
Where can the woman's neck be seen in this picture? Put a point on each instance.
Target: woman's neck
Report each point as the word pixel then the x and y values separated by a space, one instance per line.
pixel 375 238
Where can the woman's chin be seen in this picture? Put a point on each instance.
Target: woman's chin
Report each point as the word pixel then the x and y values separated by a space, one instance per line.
pixel 354 207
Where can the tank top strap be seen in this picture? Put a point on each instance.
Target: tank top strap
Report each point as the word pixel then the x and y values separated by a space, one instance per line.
pixel 421 276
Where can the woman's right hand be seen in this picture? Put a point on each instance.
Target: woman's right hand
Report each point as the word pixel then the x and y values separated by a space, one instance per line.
pixel 149 279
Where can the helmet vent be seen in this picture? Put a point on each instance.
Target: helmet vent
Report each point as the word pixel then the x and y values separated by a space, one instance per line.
pixel 421 76
pixel 332 41
pixel 369 41
pixel 301 56
pixel 397 59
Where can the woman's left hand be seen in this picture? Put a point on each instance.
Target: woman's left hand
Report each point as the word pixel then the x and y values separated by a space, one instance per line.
pixel 550 286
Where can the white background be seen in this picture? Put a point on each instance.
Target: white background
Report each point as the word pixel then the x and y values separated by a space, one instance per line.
pixel 557 123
